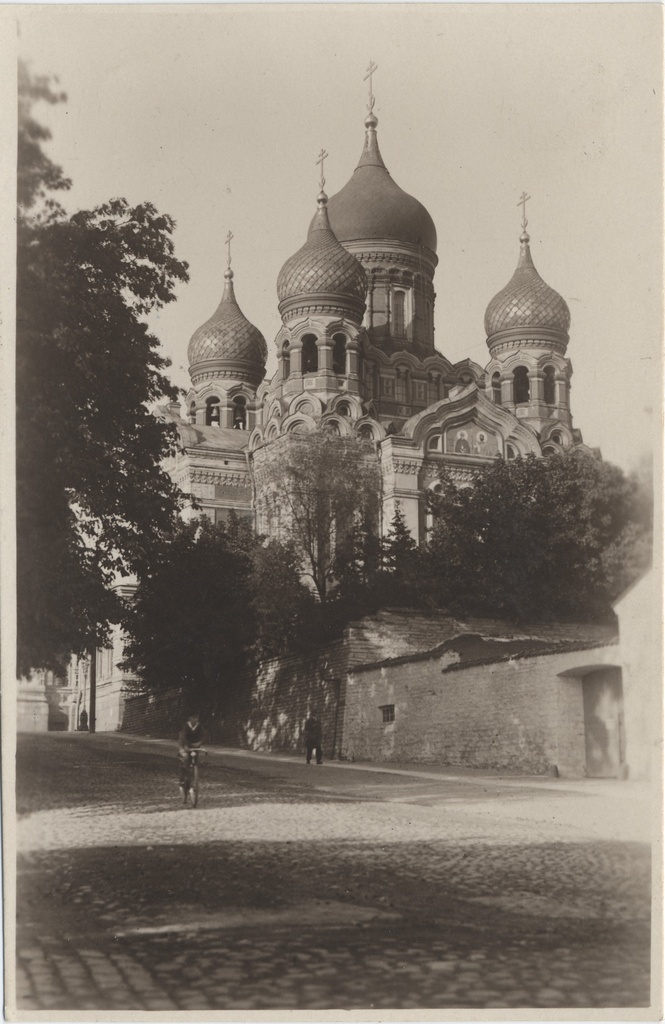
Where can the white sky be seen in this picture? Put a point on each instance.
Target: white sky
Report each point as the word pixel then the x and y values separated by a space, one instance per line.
pixel 217 113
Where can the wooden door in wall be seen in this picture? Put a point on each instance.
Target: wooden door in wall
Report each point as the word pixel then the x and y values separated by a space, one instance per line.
pixel 604 723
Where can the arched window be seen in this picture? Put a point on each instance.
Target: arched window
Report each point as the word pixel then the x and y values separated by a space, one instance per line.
pixel 556 437
pixel 286 360
pixel 521 389
pixel 496 388
pixel 310 354
pixel 548 450
pixel 212 412
pixel 510 452
pixel 192 413
pixel 366 432
pixel 240 412
pixel 399 314
pixel 339 354
pixel 343 409
pixel 548 385
pixel 434 443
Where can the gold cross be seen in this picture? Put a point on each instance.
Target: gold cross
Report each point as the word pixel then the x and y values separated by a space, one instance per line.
pixel 322 156
pixel 228 248
pixel 524 198
pixel 371 68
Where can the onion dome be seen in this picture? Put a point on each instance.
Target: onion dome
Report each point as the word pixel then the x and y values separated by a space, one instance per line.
pixel 527 304
pixel 227 344
pixel 322 275
pixel 372 206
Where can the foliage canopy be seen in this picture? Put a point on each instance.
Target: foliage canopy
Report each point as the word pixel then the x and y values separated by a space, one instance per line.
pixel 92 496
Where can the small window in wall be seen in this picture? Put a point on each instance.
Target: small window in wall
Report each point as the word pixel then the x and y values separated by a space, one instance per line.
pixel 521 389
pixel 240 413
pixel 556 437
pixel 343 409
pixel 339 354
pixel 212 412
pixel 399 314
pixel 286 360
pixel 366 433
pixel 310 354
pixel 388 712
pixel 496 388
pixel 419 391
pixel 388 386
pixel 434 443
pixel 548 385
pixel 510 452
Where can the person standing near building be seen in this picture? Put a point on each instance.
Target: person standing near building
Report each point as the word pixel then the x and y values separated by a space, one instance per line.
pixel 312 733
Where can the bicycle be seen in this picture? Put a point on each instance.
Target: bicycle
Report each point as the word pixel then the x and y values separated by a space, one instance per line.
pixel 190 783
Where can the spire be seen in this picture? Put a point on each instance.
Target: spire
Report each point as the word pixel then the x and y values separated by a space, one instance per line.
pixel 371 155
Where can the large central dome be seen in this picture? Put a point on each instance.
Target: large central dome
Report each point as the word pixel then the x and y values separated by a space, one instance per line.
pixel 371 205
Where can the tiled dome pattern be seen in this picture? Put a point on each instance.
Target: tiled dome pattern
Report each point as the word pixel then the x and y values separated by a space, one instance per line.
pixel 322 266
pixel 527 301
pixel 228 335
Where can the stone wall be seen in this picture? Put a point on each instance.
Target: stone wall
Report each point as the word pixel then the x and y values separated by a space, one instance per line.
pixel 518 714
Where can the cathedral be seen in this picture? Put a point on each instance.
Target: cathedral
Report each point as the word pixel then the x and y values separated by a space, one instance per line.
pixel 356 355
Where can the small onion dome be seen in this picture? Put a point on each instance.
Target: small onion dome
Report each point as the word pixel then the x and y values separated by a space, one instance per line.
pixel 228 342
pixel 322 274
pixel 372 205
pixel 527 303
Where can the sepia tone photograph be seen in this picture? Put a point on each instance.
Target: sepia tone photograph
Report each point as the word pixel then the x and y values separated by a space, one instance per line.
pixel 332 440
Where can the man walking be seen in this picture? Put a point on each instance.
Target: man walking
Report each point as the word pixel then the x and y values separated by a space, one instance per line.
pixel 312 734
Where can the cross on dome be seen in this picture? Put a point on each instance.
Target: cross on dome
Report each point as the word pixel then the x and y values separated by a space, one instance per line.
pixel 371 68
pixel 524 198
pixel 228 248
pixel 322 157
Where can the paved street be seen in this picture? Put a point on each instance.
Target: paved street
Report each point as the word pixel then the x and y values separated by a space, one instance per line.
pixel 306 887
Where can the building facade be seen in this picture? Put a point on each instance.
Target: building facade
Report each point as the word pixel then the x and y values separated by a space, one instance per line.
pixel 356 355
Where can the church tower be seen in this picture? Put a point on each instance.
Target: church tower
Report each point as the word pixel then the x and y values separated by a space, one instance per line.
pixel 394 238
pixel 227 358
pixel 527 326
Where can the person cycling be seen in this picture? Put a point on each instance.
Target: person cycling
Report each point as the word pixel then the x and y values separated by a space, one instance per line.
pixel 191 738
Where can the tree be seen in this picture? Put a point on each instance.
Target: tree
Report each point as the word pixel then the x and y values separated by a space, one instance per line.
pixel 92 496
pixel 402 575
pixel 191 623
pixel 527 540
pixel 327 488
pixel 215 598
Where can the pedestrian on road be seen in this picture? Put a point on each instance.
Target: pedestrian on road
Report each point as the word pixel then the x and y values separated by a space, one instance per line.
pixel 312 733
pixel 191 738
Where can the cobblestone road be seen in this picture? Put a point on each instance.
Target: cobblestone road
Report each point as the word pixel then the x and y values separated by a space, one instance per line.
pixel 318 888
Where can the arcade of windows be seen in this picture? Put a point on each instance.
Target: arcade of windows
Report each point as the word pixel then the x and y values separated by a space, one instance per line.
pixel 521 386
pixel 309 355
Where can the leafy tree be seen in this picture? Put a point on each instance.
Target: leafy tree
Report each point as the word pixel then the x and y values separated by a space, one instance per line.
pixel 327 489
pixel 286 614
pixel 527 539
pixel 215 598
pixel 192 622
pixel 92 497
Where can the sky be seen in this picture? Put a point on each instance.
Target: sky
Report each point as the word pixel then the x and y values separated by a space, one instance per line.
pixel 216 114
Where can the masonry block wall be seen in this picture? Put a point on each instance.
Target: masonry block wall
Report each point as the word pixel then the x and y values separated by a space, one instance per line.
pixel 516 715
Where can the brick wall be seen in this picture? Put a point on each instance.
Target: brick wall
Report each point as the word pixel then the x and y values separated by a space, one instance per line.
pixel 516 715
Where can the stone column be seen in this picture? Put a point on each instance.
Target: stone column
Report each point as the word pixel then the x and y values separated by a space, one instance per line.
pixel 295 350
